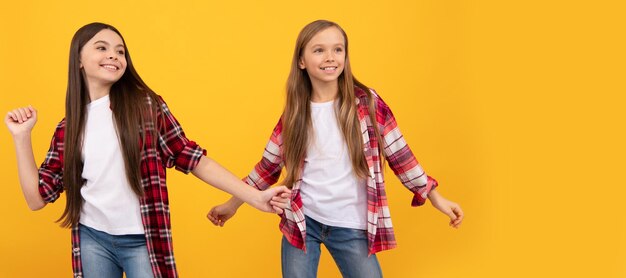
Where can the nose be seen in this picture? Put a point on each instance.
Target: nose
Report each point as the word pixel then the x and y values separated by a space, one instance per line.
pixel 330 57
pixel 112 57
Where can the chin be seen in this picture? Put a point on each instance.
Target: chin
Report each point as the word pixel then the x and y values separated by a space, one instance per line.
pixel 110 81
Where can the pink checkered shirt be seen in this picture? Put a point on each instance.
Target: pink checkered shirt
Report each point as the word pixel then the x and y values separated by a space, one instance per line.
pixel 399 157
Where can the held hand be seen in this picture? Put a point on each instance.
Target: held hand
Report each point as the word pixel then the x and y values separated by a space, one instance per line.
pixel 281 202
pixel 220 214
pixel 449 208
pixel 21 120
pixel 274 199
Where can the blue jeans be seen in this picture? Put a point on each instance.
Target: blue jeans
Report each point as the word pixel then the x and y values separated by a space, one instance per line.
pixel 347 246
pixel 108 256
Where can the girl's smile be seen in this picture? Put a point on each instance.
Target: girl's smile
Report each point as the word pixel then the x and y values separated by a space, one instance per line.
pixel 324 56
pixel 103 59
pixel 110 67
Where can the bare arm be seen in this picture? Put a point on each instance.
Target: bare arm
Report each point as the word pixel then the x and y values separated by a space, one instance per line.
pixel 449 208
pixel 265 173
pixel 214 174
pixel 20 122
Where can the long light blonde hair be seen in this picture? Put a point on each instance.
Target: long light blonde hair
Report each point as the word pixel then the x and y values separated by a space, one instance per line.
pixel 296 117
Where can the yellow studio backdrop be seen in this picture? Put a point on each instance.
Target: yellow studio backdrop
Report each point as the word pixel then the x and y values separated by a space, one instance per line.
pixel 516 107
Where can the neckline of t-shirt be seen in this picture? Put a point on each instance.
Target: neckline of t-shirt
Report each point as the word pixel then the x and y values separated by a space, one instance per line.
pixel 97 102
pixel 322 104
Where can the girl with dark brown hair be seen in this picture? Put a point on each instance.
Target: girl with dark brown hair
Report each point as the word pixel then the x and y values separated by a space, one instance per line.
pixel 109 154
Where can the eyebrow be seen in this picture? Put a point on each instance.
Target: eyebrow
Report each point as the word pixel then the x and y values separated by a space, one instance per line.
pixel 321 44
pixel 104 42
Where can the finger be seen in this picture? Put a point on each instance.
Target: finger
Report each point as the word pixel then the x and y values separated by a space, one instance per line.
pixel 456 224
pixel 459 213
pixel 457 220
pixel 212 217
pixel 16 115
pixel 12 117
pixel 274 191
pixel 280 199
pixel 284 189
pixel 33 111
pixel 452 223
pixel 28 111
pixel 451 214
pixel 22 114
pixel 281 205
pixel 281 192
pixel 277 210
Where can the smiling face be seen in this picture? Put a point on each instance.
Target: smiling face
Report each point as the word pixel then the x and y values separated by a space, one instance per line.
pixel 323 56
pixel 103 58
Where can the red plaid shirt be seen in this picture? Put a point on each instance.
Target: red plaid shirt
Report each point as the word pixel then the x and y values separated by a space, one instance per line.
pixel 399 157
pixel 172 149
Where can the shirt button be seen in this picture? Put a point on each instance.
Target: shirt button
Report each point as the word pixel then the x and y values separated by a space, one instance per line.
pixel 76 250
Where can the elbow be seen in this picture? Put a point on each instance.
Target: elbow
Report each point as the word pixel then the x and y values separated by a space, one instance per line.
pixel 36 205
pixel 202 165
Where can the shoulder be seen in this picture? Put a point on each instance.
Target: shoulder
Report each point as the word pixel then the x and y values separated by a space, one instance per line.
pixel 60 129
pixel 365 98
pixel 360 93
pixel 278 129
pixel 58 136
pixel 61 124
pixel 152 98
pixel 155 105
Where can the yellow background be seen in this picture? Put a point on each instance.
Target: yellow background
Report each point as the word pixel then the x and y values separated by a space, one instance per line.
pixel 516 107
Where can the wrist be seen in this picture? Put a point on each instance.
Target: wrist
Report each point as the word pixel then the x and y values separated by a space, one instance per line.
pixel 234 203
pixel 21 136
pixel 433 195
pixel 22 139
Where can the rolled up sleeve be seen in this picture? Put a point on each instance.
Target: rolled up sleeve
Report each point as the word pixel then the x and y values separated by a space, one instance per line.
pixel 51 169
pixel 178 151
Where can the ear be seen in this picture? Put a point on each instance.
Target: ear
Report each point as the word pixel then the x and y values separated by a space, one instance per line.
pixel 301 64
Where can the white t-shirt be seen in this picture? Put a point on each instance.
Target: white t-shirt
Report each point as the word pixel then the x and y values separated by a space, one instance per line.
pixel 331 192
pixel 110 205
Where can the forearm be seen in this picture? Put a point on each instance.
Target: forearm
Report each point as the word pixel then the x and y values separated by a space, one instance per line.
pixel 434 195
pixel 214 174
pixel 27 171
pixel 235 202
pixel 436 199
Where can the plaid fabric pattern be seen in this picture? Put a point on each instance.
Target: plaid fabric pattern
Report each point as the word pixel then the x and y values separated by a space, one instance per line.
pixel 399 157
pixel 172 149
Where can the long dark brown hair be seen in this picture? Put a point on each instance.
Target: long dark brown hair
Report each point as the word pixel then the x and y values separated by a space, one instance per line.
pixel 297 114
pixel 134 106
